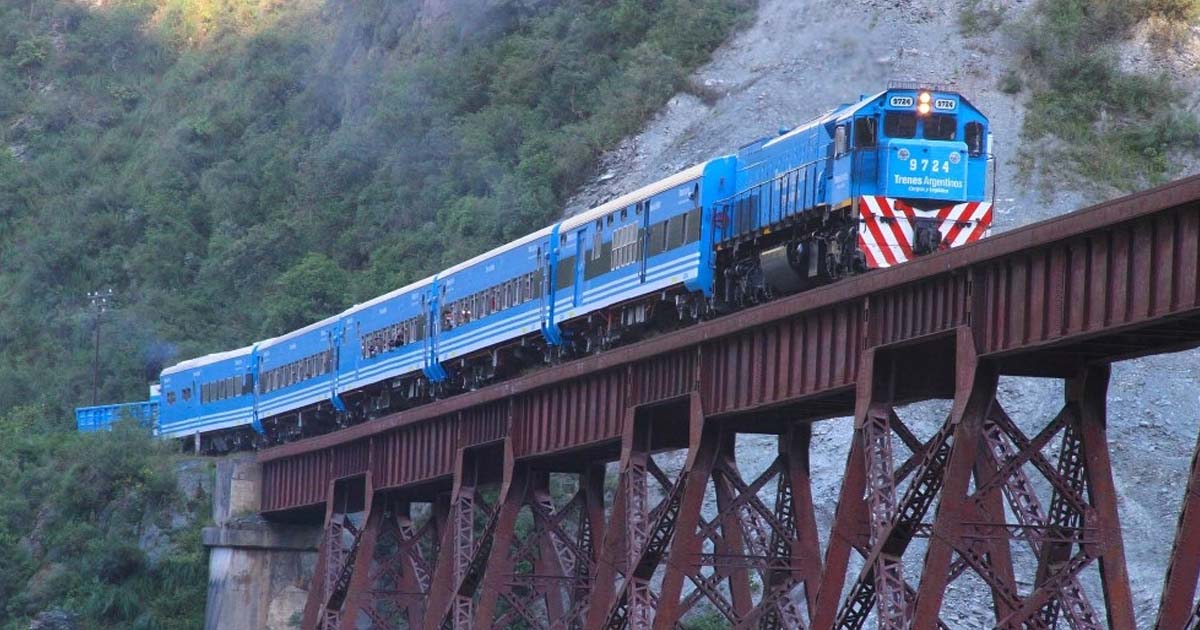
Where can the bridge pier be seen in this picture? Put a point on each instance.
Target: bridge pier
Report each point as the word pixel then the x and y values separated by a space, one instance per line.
pixel 548 570
pixel 375 563
pixel 257 570
pixel 745 539
pixel 396 583
pixel 974 465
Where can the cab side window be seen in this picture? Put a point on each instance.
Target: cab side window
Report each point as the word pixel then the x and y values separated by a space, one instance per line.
pixel 974 138
pixel 841 141
pixel 864 132
pixel 941 127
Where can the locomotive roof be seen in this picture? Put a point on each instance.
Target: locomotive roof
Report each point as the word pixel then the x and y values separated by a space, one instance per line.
pixel 207 359
pixel 838 113
pixel 503 248
pixel 583 218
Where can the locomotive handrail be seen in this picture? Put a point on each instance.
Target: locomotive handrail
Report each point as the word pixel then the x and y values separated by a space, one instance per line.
pixel 756 191
pixel 790 171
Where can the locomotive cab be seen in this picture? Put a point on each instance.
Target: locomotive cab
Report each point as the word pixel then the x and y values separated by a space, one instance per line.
pixel 921 146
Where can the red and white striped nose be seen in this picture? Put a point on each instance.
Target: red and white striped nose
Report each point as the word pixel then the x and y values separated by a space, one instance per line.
pixel 891 231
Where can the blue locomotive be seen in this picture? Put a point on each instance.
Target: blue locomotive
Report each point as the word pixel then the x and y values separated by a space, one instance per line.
pixel 871 184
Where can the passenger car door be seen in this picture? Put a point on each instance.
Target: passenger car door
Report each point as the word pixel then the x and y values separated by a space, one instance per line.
pixel 580 235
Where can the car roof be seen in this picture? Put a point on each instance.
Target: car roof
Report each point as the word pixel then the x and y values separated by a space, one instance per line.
pixel 625 200
pixel 408 288
pixel 207 359
pixel 528 238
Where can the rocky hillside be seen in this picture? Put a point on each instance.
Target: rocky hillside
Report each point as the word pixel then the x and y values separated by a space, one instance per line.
pixel 802 57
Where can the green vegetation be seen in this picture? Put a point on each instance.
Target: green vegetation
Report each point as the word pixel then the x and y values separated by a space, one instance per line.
pixel 1173 10
pixel 1087 116
pixel 72 512
pixel 979 17
pixel 706 620
pixel 233 169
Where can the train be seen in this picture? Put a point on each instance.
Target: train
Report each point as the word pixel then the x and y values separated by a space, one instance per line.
pixel 868 185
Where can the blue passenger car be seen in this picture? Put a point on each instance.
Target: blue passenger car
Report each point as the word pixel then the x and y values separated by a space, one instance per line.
pixel 655 240
pixel 208 393
pixel 489 302
pixel 297 370
pixel 386 338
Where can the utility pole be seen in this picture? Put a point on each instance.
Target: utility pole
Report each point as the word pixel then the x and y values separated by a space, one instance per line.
pixel 100 301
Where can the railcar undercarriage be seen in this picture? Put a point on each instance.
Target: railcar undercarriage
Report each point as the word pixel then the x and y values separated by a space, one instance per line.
pixel 760 266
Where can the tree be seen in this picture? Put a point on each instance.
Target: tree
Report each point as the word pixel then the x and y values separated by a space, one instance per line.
pixel 313 289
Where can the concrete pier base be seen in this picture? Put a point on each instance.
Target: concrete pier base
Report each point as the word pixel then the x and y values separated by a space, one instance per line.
pixel 258 572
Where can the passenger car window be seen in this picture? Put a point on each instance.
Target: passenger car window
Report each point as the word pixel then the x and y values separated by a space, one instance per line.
pixel 900 124
pixel 941 127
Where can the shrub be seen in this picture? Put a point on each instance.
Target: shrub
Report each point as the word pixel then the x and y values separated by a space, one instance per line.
pixel 32 53
pixel 72 510
pixel 1010 82
pixel 1117 128
pixel 1172 10
pixel 980 17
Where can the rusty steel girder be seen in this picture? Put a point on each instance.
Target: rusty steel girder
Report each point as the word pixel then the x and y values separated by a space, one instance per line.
pixel 1059 299
pixel 541 578
pixel 392 577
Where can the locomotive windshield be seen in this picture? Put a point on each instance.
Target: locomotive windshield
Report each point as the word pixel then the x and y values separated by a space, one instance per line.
pixel 941 127
pixel 900 124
